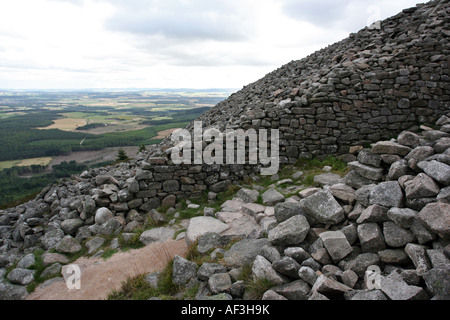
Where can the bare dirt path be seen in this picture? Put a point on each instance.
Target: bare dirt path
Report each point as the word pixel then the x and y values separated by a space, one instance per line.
pixel 100 277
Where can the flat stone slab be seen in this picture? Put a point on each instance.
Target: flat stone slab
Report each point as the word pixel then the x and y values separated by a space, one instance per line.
pixel 389 147
pixel 244 251
pixel 290 232
pixel 327 179
pixel 323 207
pixel 271 197
pixel 157 235
pixel 201 225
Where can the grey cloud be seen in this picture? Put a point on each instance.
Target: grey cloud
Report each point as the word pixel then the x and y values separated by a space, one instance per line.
pixel 323 13
pixel 181 20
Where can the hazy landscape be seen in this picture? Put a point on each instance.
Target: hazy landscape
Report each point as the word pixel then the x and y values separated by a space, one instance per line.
pixel 40 130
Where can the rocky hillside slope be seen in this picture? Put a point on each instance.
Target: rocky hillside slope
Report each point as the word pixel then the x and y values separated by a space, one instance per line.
pixel 390 213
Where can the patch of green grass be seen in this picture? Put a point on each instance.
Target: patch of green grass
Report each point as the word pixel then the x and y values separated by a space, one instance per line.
pixel 133 243
pixel 109 253
pixel 135 288
pixel 257 287
pixel 165 282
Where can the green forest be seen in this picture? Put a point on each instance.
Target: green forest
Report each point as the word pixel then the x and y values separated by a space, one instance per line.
pixel 20 138
pixel 15 189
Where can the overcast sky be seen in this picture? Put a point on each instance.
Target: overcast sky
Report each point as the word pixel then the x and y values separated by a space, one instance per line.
pixel 54 44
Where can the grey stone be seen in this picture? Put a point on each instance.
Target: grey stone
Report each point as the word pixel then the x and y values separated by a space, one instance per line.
pixel 110 227
pixel 368 172
pixel 220 283
pixel 220 186
pixel 295 290
pixel 21 276
pixel 220 296
pixel 211 240
pixel 422 186
pixel 418 256
pixel 207 269
pixel 171 185
pixel 253 208
pixel 349 278
pixel 286 210
pixel 105 179
pixel 330 287
pixel 238 289
pixel 323 207
pixel 183 270
pixel 271 197
pixel 201 225
pixel 68 244
pixel 307 192
pixel 94 244
pixel 152 279
pixel 308 275
pixel 102 215
pixel 366 157
pixel 373 213
pixel 54 269
pixel 247 195
pixel 437 170
pixel 143 174
pixel 160 234
pixel 12 292
pixel 71 226
pixel 297 253
pixel 421 232
pixel 27 261
pixel 438 259
pixel 315 296
pixel 397 289
pixel 362 195
pixel 51 238
pixel 395 257
pixel 370 237
pixel 398 169
pixel 390 147
pixel 272 295
pixel 356 180
pixel 343 192
pixel 365 295
pixel 417 155
pixel 441 145
pixel 50 258
pixel 327 179
pixel 244 252
pixel 396 236
pixel 88 206
pixel 444 195
pixel 361 262
pixel 287 266
pixel 290 232
pixel 408 139
pixel 336 244
pixel 436 217
pixel 403 217
pixel 270 253
pixel 387 194
pixel 125 195
pixel 351 233
pixel 438 282
pixel 262 269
